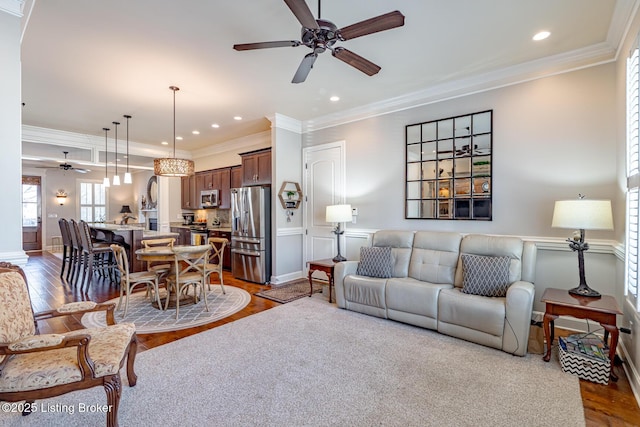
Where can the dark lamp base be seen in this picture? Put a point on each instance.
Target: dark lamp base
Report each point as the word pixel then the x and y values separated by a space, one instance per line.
pixel 339 258
pixel 585 291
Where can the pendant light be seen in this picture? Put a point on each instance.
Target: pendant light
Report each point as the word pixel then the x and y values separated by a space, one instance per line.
pixel 127 174
pixel 172 166
pixel 116 177
pixel 106 177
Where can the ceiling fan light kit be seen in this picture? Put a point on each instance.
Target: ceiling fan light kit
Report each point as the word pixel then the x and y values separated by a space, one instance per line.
pixel 321 34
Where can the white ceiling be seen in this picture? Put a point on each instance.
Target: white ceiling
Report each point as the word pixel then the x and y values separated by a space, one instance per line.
pixel 85 63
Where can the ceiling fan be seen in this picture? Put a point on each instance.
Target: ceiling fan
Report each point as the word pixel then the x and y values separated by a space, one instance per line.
pixel 320 35
pixel 67 166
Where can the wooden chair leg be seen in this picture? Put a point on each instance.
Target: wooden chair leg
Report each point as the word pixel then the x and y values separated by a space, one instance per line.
pixel 131 359
pixel 113 388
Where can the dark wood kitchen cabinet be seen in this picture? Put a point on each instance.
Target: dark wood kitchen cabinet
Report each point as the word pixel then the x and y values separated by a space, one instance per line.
pixel 189 197
pixel 236 176
pixel 256 167
pixel 222 181
pixel 204 181
pixel 184 235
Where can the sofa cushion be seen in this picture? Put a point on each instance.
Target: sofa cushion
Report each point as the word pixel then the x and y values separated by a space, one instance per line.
pixel 375 262
pixel 481 244
pixel 367 291
pixel 434 256
pixel 400 243
pixel 471 312
pixel 485 275
pixel 414 296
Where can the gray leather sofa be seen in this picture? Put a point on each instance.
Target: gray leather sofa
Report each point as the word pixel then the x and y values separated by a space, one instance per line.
pixel 425 287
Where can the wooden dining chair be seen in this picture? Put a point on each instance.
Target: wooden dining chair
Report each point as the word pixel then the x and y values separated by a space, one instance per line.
pixel 96 257
pixel 130 281
pixel 39 366
pixel 160 270
pixel 66 245
pixel 188 272
pixel 215 261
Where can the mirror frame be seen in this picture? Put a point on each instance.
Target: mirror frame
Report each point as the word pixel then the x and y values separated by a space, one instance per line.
pixel 449 168
pixel 152 202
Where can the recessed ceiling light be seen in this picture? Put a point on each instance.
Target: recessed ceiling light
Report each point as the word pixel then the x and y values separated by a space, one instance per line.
pixel 164 143
pixel 541 35
pixel 179 138
pixel 237 118
pixel 334 98
pixel 215 125
pixel 195 132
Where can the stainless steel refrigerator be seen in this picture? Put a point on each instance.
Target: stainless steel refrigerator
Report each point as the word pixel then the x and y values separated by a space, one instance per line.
pixel 251 233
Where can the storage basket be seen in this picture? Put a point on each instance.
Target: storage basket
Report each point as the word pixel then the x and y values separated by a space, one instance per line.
pixel 579 356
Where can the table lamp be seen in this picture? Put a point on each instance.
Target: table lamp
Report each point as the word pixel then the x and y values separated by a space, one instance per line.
pixel 582 214
pixel 339 214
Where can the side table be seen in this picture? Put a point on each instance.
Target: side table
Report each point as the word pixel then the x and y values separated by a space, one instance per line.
pixel 559 302
pixel 325 265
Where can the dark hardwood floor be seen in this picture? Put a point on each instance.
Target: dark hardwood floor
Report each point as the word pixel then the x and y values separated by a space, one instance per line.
pixel 604 405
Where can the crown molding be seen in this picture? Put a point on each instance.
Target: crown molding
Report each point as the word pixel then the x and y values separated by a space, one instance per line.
pixel 557 64
pixel 623 14
pixel 40 135
pixel 281 121
pixel 12 7
pixel 236 145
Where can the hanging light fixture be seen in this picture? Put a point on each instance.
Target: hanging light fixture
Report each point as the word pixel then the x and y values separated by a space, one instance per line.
pixel 127 174
pixel 116 177
pixel 172 166
pixel 106 177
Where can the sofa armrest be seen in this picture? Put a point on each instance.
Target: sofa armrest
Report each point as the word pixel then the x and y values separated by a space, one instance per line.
pixel 518 308
pixel 342 270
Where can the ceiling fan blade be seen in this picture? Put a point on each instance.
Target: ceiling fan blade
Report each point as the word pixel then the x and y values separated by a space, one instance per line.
pixel 373 25
pixel 265 45
pixel 305 66
pixel 303 13
pixel 356 61
pixel 80 170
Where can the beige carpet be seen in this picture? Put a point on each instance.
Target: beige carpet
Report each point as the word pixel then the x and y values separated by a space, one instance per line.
pixel 309 363
pixel 149 319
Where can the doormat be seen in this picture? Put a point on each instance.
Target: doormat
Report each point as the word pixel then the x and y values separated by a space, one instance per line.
pixel 290 292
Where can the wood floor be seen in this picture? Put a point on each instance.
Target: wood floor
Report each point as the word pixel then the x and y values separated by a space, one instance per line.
pixel 604 405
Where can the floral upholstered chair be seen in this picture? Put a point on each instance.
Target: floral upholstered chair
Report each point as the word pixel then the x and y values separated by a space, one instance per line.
pixel 36 366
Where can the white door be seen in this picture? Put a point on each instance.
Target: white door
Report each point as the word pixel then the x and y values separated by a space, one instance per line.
pixel 324 185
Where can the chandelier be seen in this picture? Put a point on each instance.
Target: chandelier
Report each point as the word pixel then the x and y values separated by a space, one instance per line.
pixel 172 166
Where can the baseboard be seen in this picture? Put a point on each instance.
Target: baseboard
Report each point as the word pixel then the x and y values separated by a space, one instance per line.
pixel 284 278
pixel 632 373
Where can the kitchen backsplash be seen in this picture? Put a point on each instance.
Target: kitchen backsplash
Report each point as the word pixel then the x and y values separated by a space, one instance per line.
pixel 211 214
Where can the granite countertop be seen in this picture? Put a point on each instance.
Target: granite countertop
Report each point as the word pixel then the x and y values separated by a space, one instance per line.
pixel 115 227
pixel 157 234
pixel 224 227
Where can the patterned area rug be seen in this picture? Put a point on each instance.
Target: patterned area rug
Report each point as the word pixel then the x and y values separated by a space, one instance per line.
pixel 150 320
pixel 290 292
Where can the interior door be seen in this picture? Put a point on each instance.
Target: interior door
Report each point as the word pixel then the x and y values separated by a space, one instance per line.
pixel 31 213
pixel 324 185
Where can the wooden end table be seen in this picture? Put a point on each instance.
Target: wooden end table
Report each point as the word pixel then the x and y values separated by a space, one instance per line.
pixel 325 265
pixel 559 302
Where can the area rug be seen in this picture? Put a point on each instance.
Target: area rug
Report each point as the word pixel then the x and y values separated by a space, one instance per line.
pixel 290 292
pixel 150 320
pixel 309 363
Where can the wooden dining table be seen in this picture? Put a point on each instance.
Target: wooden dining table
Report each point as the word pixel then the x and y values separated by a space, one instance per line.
pixel 166 254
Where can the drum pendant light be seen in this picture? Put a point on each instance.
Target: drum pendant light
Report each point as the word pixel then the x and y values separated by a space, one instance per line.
pixel 106 176
pixel 116 178
pixel 127 174
pixel 172 166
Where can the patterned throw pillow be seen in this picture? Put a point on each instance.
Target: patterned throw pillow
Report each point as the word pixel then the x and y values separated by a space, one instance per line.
pixel 375 262
pixel 485 275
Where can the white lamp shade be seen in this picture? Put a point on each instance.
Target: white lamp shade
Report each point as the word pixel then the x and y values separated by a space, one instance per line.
pixel 339 213
pixel 583 214
pixel 127 178
pixel 105 182
pixel 116 180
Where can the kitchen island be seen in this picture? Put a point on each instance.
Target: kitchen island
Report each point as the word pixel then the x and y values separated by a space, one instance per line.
pixel 132 236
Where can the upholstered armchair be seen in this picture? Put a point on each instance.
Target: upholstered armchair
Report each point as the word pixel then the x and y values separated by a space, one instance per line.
pixel 36 366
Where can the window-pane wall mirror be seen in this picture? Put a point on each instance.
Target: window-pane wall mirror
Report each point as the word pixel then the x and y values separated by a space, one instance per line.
pixel 449 173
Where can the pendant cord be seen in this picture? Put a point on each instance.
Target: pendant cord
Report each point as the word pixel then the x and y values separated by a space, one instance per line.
pixel 116 139
pixel 106 157
pixel 127 117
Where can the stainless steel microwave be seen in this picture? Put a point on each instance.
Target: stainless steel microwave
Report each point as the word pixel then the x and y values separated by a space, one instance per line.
pixel 208 199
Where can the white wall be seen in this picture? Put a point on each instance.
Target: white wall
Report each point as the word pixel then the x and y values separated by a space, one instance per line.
pixel 553 138
pixel 10 135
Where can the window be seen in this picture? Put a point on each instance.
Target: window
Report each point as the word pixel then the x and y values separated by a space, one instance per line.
pixel 30 201
pixel 633 179
pixel 93 201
